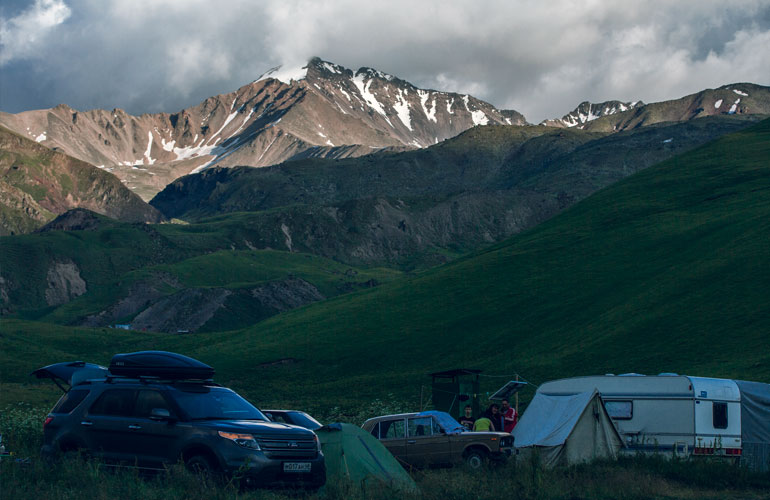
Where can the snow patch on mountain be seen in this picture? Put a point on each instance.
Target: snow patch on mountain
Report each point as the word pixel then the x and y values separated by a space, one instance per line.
pixel 147 156
pixel 429 113
pixel 744 94
pixel 718 104
pixel 371 100
pixel 285 74
pixel 479 118
pixel 41 137
pixel 401 107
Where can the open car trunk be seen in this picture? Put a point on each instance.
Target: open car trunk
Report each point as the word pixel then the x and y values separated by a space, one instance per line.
pixel 71 373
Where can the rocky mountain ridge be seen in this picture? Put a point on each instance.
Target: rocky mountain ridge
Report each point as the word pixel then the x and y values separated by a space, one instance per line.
pixel 36 184
pixel 319 110
pixel 615 116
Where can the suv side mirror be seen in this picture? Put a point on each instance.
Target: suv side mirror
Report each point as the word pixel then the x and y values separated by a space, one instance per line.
pixel 160 414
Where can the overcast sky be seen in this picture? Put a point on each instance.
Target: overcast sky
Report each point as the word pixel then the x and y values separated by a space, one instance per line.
pixel 538 57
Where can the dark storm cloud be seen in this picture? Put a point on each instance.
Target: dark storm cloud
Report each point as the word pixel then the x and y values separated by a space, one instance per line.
pixel 540 58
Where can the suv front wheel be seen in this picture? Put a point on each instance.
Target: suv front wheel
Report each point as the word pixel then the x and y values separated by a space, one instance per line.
pixel 202 466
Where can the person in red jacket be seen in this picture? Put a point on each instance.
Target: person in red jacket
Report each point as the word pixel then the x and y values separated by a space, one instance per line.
pixel 510 417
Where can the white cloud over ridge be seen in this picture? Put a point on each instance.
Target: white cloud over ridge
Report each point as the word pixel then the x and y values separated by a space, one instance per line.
pixel 540 58
pixel 21 36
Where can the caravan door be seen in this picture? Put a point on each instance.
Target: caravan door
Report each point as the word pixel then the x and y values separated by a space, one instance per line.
pixel 717 417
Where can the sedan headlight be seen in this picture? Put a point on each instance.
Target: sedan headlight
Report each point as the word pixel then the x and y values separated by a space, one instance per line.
pixel 245 440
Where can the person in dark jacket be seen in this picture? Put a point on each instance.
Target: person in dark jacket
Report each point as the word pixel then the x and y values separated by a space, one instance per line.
pixel 497 418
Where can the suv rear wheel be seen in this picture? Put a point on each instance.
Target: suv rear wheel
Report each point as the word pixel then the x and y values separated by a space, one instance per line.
pixel 475 458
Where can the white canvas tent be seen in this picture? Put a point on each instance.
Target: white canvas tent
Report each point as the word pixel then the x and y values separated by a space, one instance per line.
pixel 565 430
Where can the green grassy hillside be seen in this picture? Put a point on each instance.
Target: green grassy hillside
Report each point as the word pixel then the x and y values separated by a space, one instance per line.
pixel 664 271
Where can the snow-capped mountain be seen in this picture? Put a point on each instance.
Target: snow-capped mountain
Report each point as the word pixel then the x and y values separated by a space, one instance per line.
pixel 616 116
pixel 320 109
pixel 588 111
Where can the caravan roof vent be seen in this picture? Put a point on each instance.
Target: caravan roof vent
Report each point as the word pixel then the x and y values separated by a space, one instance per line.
pixel 160 364
pixel 609 374
pixel 631 375
pixel 668 374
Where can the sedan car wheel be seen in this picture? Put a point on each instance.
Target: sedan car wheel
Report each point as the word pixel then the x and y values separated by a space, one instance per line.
pixel 475 459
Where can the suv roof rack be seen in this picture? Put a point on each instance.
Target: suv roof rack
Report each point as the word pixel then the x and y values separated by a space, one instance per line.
pixel 159 365
pixel 148 379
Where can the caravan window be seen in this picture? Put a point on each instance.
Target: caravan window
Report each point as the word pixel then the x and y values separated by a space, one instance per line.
pixel 720 415
pixel 620 410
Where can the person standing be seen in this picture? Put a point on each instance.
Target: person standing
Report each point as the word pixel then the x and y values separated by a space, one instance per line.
pixel 497 417
pixel 467 419
pixel 510 416
pixel 483 424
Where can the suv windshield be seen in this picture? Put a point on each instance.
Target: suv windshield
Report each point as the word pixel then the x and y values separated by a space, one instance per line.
pixel 215 403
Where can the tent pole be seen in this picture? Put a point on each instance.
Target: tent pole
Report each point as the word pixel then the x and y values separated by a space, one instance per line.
pixel 517 397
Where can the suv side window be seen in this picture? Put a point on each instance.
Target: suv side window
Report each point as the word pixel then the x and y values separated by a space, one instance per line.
pixel 114 402
pixel 420 426
pixel 392 429
pixel 147 400
pixel 70 401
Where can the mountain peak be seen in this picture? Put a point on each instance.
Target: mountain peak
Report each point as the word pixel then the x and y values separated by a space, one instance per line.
pixel 588 111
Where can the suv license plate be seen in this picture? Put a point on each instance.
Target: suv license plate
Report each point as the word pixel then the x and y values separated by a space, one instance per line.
pixel 296 466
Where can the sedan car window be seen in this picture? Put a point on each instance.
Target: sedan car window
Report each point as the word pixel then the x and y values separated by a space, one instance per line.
pixel 392 429
pixel 421 426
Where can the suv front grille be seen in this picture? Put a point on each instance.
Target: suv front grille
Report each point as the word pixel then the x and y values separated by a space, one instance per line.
pixel 288 448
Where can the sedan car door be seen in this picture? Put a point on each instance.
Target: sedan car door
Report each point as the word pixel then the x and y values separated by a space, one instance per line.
pixel 392 434
pixel 426 445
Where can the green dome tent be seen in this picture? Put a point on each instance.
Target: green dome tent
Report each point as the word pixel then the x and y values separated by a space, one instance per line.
pixel 355 455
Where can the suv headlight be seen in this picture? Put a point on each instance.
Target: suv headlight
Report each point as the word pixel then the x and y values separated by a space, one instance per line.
pixel 245 440
pixel 317 442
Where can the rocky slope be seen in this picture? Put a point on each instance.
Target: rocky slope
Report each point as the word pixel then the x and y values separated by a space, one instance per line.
pixel 37 183
pixel 613 116
pixel 423 206
pixel 320 110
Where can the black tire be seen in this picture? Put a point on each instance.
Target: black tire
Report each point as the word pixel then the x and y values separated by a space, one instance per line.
pixel 202 466
pixel 475 459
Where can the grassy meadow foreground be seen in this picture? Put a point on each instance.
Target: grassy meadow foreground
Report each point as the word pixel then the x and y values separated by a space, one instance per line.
pixel 665 271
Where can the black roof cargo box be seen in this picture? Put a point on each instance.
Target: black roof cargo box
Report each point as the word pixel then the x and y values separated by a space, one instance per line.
pixel 162 364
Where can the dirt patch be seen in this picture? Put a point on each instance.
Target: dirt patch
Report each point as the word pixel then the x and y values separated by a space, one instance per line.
pixel 184 311
pixel 286 294
pixel 64 283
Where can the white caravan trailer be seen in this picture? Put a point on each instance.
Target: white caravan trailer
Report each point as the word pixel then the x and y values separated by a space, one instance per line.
pixel 667 413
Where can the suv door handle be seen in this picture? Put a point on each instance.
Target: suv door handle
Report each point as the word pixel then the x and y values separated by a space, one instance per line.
pixel 411 441
pixel 134 427
pixel 86 423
